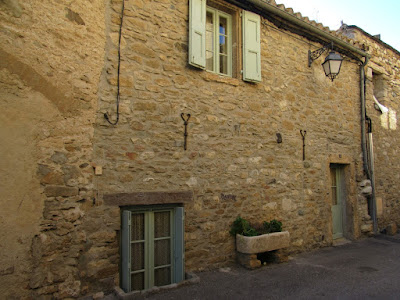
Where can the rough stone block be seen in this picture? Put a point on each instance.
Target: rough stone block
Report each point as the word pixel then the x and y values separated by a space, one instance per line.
pixel 99 295
pixel 7 271
pixel 391 229
pixel 281 256
pixel 52 178
pixel 60 191
pixel 365 182
pixel 249 261
pixel 59 158
pixel 69 288
pixel 367 191
pixel 379 206
pixel 366 228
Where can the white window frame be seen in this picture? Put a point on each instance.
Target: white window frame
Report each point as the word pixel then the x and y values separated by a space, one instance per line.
pixel 216 35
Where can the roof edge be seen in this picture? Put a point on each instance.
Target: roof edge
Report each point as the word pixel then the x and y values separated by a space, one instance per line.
pixel 284 14
pixel 374 38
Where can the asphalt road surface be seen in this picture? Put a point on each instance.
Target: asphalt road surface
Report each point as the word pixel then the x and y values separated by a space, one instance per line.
pixel 366 269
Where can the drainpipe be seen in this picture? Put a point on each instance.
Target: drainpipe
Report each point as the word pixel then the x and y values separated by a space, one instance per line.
pixel 363 116
pixel 368 167
pixel 371 159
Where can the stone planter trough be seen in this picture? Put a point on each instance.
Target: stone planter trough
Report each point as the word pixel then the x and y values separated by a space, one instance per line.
pixel 249 246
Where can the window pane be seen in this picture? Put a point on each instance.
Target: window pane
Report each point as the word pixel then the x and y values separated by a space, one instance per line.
pixel 222 43
pixel 137 281
pixel 162 224
pixel 223 49
pixel 209 61
pixel 137 256
pixel 223 64
pixel 210 41
pixel 162 252
pixel 137 231
pixel 223 38
pixel 210 21
pixel 223 26
pixel 162 276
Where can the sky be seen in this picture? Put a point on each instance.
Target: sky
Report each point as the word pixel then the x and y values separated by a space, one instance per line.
pixel 375 17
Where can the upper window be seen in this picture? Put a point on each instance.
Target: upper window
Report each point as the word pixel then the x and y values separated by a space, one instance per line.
pixel 218 42
pixel 211 41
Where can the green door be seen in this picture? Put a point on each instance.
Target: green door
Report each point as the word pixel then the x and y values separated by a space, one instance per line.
pixel 337 192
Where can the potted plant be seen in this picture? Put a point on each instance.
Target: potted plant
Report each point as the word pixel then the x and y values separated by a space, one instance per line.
pixel 256 239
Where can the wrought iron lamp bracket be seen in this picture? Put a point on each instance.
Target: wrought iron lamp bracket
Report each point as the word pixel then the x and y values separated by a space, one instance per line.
pixel 317 53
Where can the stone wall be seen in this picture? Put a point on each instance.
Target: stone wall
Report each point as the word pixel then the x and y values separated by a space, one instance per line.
pixel 51 56
pixel 384 83
pixel 58 76
pixel 233 162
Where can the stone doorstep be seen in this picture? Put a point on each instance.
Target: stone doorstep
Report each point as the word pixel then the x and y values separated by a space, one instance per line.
pixel 191 278
pixel 340 241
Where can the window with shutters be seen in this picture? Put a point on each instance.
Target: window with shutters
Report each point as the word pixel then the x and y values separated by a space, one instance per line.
pixel 152 247
pixel 214 36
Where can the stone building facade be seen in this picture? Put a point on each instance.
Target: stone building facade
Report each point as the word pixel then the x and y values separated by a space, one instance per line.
pixel 383 84
pixel 67 174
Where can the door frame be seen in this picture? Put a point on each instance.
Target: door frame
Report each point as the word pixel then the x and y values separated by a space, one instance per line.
pixel 349 205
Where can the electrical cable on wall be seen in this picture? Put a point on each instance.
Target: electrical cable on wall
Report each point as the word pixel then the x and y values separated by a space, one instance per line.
pixel 119 67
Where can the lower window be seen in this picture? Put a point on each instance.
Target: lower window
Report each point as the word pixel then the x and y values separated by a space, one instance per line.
pixel 151 247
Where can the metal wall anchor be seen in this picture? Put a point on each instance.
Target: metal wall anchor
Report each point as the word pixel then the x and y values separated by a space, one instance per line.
pixel 185 122
pixel 304 144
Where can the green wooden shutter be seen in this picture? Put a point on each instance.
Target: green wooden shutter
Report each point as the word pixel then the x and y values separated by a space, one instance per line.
pixel 125 251
pixel 197 33
pixel 179 247
pixel 251 47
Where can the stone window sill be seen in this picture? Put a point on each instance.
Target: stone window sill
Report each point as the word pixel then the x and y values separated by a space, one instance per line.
pixel 207 76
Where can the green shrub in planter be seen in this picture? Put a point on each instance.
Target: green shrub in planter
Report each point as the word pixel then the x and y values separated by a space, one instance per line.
pixel 243 227
pixel 273 226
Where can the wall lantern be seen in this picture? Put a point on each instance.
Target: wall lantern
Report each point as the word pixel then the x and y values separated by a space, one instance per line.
pixel 332 62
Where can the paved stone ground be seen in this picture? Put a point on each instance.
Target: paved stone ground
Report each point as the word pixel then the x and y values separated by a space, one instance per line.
pixel 366 269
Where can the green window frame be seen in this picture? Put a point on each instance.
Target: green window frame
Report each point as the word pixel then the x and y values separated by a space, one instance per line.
pixel 218 42
pixel 151 247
